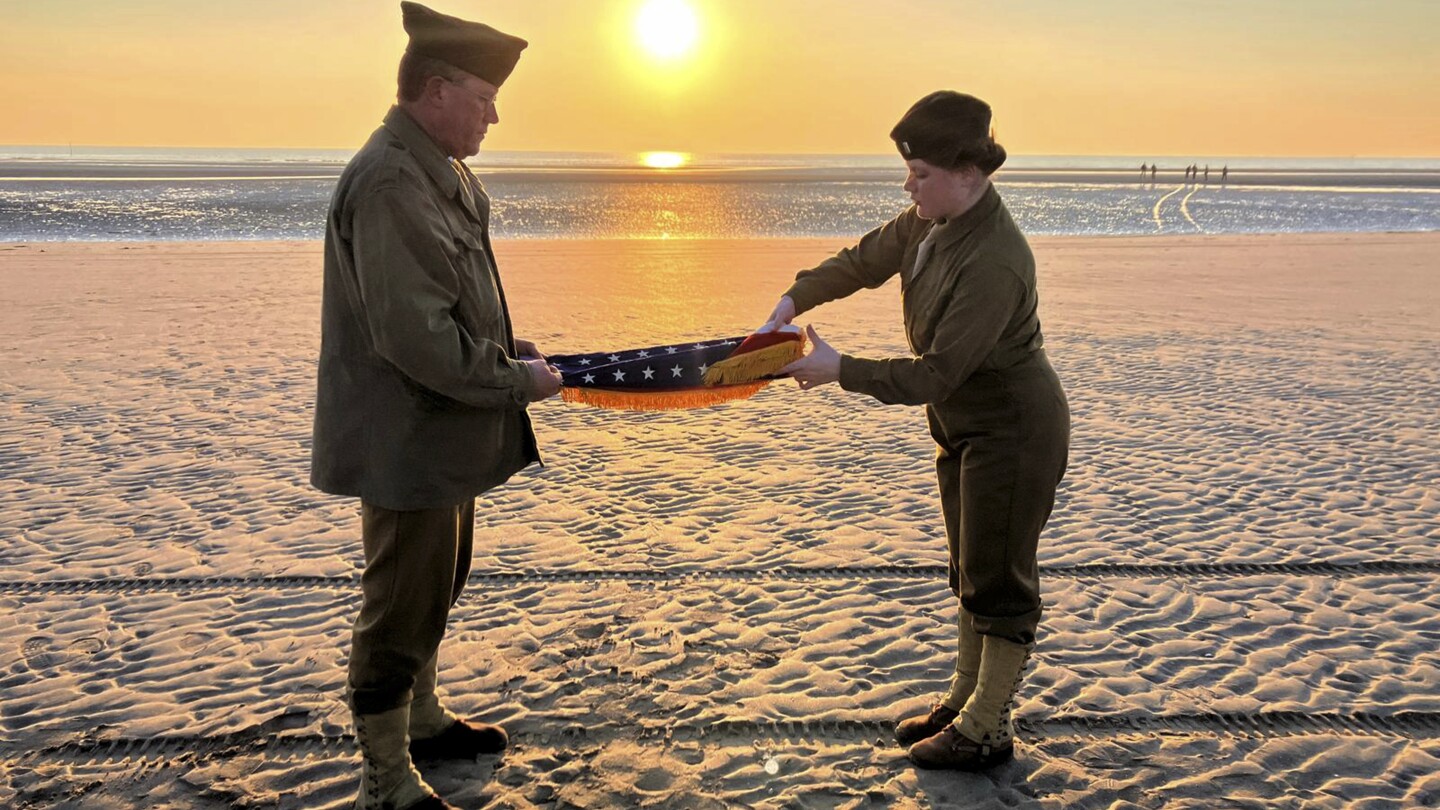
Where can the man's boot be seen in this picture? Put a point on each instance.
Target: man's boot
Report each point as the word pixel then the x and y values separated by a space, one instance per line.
pixel 436 733
pixel 388 780
pixel 962 683
pixel 983 735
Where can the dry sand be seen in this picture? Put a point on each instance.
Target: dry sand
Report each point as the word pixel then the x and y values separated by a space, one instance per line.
pixel 727 607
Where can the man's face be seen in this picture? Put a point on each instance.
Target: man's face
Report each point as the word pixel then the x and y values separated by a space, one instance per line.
pixel 467 109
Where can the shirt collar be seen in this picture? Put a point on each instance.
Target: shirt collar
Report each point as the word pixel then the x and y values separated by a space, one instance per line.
pixel 427 153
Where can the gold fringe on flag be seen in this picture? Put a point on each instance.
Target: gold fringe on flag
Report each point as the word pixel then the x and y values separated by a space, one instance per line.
pixel 754 365
pixel 661 400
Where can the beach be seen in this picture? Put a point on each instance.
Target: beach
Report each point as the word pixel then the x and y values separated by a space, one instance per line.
pixel 728 607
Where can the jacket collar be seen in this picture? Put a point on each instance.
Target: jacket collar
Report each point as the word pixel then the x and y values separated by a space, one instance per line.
pixel 427 153
pixel 952 230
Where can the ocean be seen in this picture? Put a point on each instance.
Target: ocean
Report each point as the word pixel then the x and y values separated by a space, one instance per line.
pixel 52 194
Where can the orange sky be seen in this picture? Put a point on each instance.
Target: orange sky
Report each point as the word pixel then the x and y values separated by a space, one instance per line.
pixel 1223 77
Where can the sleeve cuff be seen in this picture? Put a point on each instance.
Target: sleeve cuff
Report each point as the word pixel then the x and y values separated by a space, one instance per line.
pixel 855 372
pixel 520 392
pixel 802 301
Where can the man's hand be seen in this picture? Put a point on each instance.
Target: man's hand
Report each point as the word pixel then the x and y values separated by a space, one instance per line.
pixel 544 379
pixel 782 315
pixel 820 366
pixel 527 350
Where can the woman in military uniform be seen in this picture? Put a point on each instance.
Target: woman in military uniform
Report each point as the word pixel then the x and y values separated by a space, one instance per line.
pixel 995 406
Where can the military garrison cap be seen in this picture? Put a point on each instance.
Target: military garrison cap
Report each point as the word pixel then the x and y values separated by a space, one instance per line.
pixel 945 129
pixel 473 47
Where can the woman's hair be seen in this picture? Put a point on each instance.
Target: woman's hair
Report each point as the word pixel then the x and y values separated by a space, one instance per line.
pixel 949 130
pixel 416 70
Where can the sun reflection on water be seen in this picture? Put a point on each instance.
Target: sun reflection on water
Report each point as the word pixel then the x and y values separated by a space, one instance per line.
pixel 664 160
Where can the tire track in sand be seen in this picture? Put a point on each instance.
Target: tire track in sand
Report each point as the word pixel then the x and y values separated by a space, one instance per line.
pixel 1185 209
pixel 128 585
pixel 1155 212
pixel 271 740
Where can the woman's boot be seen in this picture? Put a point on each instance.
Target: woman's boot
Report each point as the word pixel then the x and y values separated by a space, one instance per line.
pixel 962 683
pixel 983 735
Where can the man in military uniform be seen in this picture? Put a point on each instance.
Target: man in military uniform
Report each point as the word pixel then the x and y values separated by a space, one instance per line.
pixel 422 390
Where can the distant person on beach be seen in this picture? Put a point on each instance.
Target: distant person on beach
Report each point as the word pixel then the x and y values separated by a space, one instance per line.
pixel 1143 167
pixel 422 390
pixel 994 404
pixel 1207 174
pixel 1224 174
pixel 1152 172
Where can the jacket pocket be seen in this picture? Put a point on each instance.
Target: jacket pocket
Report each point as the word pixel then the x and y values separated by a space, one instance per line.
pixel 478 308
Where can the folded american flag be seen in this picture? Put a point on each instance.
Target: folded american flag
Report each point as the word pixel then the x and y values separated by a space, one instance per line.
pixel 677 375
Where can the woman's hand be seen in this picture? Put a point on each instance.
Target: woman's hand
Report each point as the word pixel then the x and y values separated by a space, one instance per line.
pixel 820 366
pixel 782 315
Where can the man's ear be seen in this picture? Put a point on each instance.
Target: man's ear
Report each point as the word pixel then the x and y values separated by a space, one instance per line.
pixel 434 89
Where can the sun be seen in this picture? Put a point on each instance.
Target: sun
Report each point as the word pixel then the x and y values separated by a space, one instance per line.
pixel 667 29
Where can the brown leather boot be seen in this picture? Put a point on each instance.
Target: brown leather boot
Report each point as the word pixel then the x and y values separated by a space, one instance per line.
pixel 460 740
pixel 953 751
pixel 914 729
pixel 436 733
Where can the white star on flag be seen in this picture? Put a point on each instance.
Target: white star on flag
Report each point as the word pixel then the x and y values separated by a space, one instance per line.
pixel 619 376
pixel 584 361
pixel 614 358
pixel 588 378
pixel 649 374
pixel 676 371
pixel 670 349
pixel 644 354
pixel 702 369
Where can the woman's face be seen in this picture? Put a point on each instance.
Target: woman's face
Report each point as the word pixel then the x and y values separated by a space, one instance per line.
pixel 941 193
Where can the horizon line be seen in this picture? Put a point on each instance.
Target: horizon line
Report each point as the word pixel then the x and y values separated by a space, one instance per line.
pixel 1155 156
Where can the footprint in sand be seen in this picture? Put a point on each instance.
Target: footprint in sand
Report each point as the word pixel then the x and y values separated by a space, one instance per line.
pixel 196 641
pixel 87 646
pixel 40 653
pixel 142 569
pixel 654 780
pixel 590 631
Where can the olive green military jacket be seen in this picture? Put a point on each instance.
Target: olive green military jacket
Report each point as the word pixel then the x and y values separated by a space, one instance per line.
pixel 419 401
pixel 971 307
